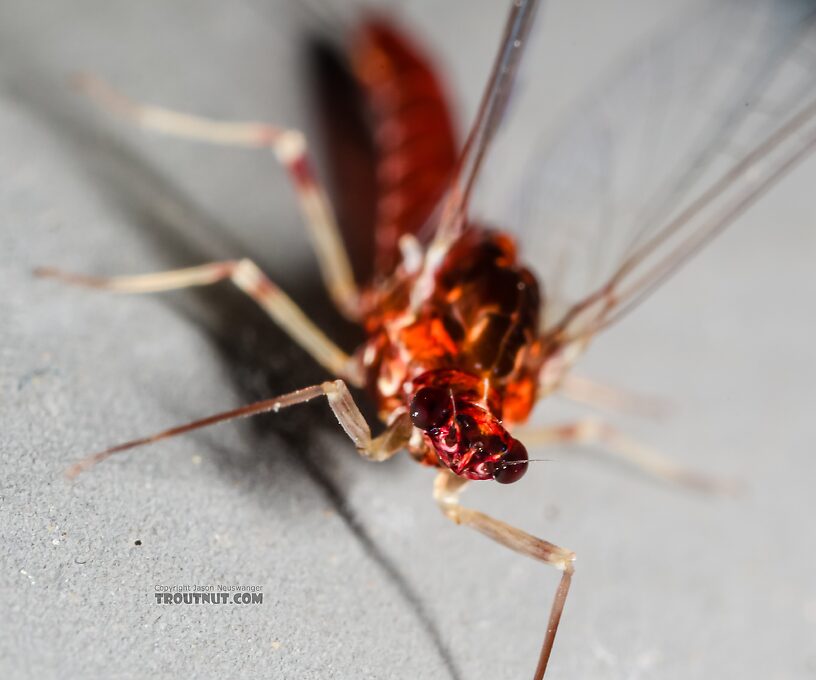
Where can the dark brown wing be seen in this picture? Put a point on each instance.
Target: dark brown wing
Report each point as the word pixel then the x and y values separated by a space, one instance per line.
pixel 348 146
pixel 390 139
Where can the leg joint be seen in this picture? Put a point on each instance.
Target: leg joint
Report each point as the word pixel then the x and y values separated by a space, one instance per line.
pixel 290 146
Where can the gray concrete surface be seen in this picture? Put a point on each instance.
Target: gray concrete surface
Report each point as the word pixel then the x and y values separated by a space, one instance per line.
pixel 362 576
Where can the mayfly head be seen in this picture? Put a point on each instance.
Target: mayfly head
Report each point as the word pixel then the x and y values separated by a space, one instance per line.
pixel 462 422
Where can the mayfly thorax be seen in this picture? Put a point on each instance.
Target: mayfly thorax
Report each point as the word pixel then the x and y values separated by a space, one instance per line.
pixel 464 331
pixel 468 358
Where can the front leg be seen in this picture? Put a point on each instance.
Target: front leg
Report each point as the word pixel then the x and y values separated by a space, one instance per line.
pixel 448 487
pixel 615 443
pixel 377 449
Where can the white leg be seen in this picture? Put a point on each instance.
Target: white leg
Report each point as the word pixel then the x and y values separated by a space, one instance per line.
pixel 447 489
pixel 614 442
pixel 251 280
pixel 585 391
pixel 289 147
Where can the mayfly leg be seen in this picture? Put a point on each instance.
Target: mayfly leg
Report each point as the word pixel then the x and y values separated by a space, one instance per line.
pixel 608 398
pixel 377 449
pixel 248 278
pixel 447 489
pixel 613 442
pixel 289 147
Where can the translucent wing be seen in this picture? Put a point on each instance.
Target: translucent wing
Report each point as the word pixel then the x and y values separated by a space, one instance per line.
pixel 452 211
pixel 489 117
pixel 675 145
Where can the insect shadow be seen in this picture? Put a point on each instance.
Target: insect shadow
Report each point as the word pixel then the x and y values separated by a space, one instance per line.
pixel 261 359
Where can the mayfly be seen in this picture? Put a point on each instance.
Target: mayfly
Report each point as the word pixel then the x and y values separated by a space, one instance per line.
pixel 462 338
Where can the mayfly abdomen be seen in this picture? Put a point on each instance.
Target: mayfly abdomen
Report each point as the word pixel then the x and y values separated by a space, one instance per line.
pixel 413 133
pixel 390 137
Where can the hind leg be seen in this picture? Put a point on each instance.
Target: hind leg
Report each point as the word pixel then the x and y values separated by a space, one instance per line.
pixel 289 147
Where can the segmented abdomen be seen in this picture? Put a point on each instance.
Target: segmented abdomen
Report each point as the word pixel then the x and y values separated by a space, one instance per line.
pixel 415 147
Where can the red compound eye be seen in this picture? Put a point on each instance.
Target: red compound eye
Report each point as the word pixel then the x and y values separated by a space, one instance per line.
pixel 430 407
pixel 512 465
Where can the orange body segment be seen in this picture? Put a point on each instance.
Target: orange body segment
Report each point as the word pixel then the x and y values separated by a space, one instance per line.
pixel 414 142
